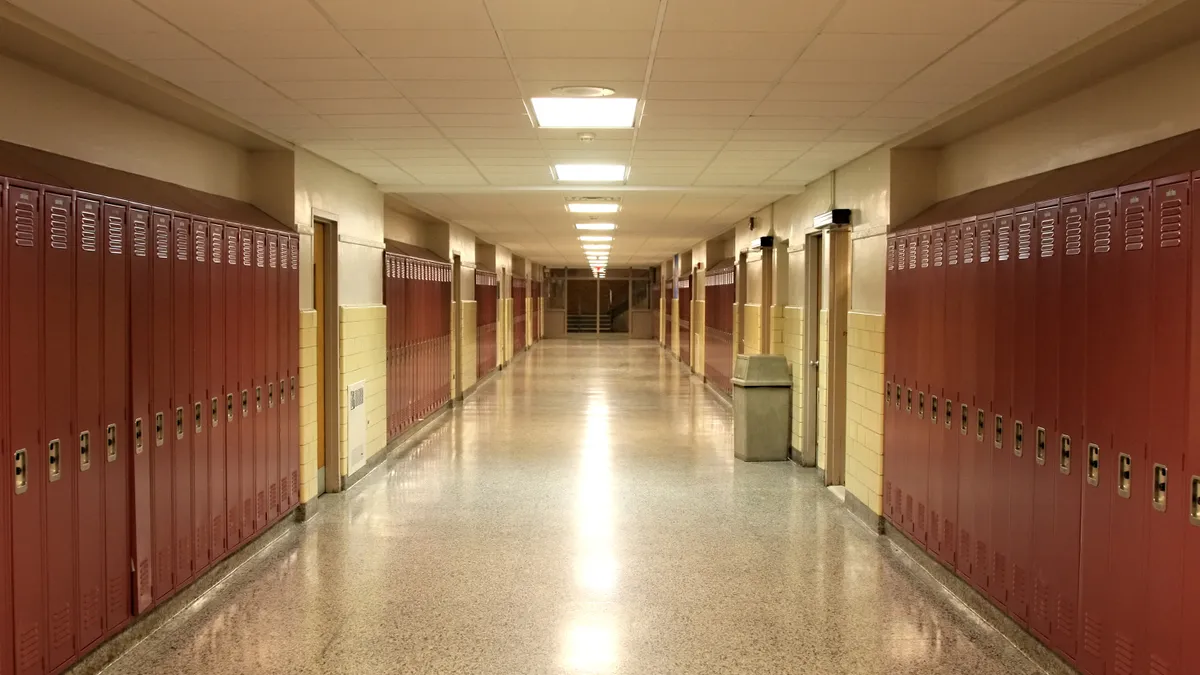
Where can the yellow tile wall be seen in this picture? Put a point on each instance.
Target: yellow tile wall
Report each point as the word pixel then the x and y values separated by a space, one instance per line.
pixel 753 328
pixel 675 332
pixel 308 405
pixel 793 349
pixel 864 408
pixel 529 327
pixel 363 356
pixel 823 390
pixel 777 343
pixel 470 347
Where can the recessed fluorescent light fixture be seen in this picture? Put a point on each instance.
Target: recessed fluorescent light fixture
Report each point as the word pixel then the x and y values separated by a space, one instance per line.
pixel 593 208
pixel 595 237
pixel 601 173
pixel 596 247
pixel 584 113
pixel 599 227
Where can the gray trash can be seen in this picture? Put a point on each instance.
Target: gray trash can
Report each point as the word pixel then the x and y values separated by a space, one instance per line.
pixel 762 401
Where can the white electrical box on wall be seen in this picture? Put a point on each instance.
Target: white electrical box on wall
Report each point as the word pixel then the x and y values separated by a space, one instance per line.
pixel 356 422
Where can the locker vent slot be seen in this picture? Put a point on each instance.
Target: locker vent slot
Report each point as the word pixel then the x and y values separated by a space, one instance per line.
pixel 231 246
pixel 948 406
pixel 1093 635
pixel 141 234
pixel 980 424
pixel 295 254
pixel 1064 454
pixel 217 240
pixel 89 227
pixel 1170 219
pixel 901 250
pixel 1135 225
pixel 259 252
pixel 925 252
pixel 1047 228
pixel 965 413
pixel 939 248
pixel 1039 452
pixel 247 252
pixel 1025 238
pixel 1194 508
pixel 272 256
pixel 55 461
pixel 162 238
pixel 116 231
pixel 1093 471
pixel 933 410
pixel 200 239
pixel 1122 655
pixel 1160 488
pixel 1102 228
pixel 21 471
pixel 1124 474
pixel 159 430
pixel 60 223
pixel 1004 240
pixel 1073 231
pixel 181 240
pixel 985 242
pixel 952 246
pixel 110 442
pixel 85 450
pixel 968 244
pixel 998 438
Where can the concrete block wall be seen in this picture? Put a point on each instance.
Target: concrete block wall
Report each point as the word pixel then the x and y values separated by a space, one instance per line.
pixel 362 355
pixel 793 349
pixel 308 405
pixel 753 329
pixel 864 408
pixel 777 328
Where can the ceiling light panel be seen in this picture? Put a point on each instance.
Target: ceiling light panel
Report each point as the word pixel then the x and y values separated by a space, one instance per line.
pixel 595 237
pixel 584 113
pixel 596 247
pixel 604 173
pixel 596 227
pixel 593 208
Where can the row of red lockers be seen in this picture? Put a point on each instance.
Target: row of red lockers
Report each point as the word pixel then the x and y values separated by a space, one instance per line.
pixel 1040 429
pixel 417 294
pixel 719 294
pixel 149 409
pixel 487 296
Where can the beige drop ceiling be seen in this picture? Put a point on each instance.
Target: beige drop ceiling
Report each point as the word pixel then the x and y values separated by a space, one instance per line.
pixel 744 100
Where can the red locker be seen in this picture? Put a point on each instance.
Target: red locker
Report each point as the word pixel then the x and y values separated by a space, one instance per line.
pixel 6 465
pixel 1072 391
pixel 1002 420
pixel 247 379
pixel 58 285
pixel 89 428
pixel 294 377
pixel 1127 553
pixel 1099 460
pixel 968 445
pixel 983 422
pixel 141 357
pixel 216 390
pixel 270 310
pixel 1169 242
pixel 181 376
pixel 934 296
pixel 233 387
pixel 161 394
pixel 1045 415
pixel 261 379
pixel 24 246
pixel 1021 458
pixel 279 308
pixel 912 289
pixel 917 509
pixel 198 414
pixel 899 447
pixel 117 591
pixel 952 438
pixel 891 356
pixel 1191 582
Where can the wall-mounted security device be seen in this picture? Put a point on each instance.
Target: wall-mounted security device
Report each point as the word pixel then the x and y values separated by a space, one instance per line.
pixel 832 219
pixel 762 242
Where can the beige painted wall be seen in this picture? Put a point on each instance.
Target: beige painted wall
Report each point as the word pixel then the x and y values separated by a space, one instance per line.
pixel 363 356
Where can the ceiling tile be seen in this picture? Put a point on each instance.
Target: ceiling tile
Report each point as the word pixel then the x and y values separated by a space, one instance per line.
pixel 692 155
pixel 509 162
pixel 786 135
pixel 812 108
pixel 644 145
pixel 793 122
pixel 480 120
pixel 381 121
pixel 887 71
pixel 716 91
pixel 262 106
pixel 426 43
pixel 596 70
pixel 392 176
pixel 167 44
pixel 386 133
pixel 373 14
pixel 457 164
pixel 739 108
pixel 182 71
pixel 622 89
pixel 573 14
pixel 85 18
pixel 747 15
pixel 244 90
pixel 487 106
pixel 668 134
pixel 338 89
pixel 953 72
pixel 274 44
pixel 870 47
pixel 284 122
pixel 258 15
pixel 906 109
pixel 435 89
pixel 796 148
pixel 692 121
pixel 444 69
pixel 379 145
pixel 578 44
pixel 730 45
pixel 953 17
pixel 573 134
pixel 717 70
pixel 897 124
pixel 357 106
pixel 862 135
pixel 592 146
pixel 817 91
pixel 309 70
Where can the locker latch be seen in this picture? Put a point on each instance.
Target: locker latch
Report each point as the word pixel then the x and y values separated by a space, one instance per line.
pixel 137 436
pixel 964 412
pixel 20 471
pixel 1018 438
pixel 258 398
pixel 1064 454
pixel 948 407
pixel 228 407
pixel 1194 513
pixel 980 424
pixel 1093 471
pixel 159 431
pixel 179 422
pixel 998 440
pixel 908 401
pixel 282 392
pixel 245 403
pixel 110 442
pixel 921 405
pixel 198 412
pixel 1160 487
pixel 887 391
pixel 270 394
pixel 1039 453
pixel 897 397
pixel 53 457
pixel 1124 474
pixel 85 451
pixel 293 387
pixel 933 409
pixel 216 411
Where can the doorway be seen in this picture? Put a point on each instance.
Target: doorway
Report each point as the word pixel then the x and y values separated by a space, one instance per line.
pixel 813 263
pixel 456 327
pixel 826 307
pixel 325 293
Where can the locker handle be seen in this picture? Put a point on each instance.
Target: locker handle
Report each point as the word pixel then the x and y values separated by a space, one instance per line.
pixel 198 411
pixel 897 397
pixel 216 411
pixel 228 407
pixel 110 442
pixel 933 409
pixel 271 395
pixel 1124 474
pixel 1064 454
pixel 980 424
pixel 282 391
pixel 921 405
pixel 20 474
pixel 1093 470
pixel 245 403
pixel 1039 453
pixel 887 391
pixel 998 441
pixel 1160 488
pixel 1018 438
pixel 965 412
pixel 85 451
pixel 53 457
pixel 293 387
pixel 159 430
pixel 948 407
pixel 179 422
pixel 908 401
pixel 1194 513
pixel 137 436
pixel 258 398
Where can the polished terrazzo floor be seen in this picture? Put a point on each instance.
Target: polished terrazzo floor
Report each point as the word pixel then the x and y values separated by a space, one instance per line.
pixel 581 513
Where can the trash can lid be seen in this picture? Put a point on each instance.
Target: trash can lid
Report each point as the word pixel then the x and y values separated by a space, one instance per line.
pixel 761 370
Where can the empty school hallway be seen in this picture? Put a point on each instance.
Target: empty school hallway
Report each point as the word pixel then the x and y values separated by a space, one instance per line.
pixel 581 513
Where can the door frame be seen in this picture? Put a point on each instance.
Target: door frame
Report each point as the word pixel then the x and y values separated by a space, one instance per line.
pixel 456 288
pixel 810 404
pixel 327 267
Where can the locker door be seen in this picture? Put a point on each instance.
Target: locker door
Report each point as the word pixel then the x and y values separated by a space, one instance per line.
pixel 918 478
pixel 247 378
pixel 6 466
pixel 259 342
pixel 1045 415
pixel 1021 455
pixel 58 363
pixel 215 412
pixel 89 430
pixel 1169 242
pixel 197 412
pixel 1002 421
pixel 271 373
pixel 180 424
pixel 1099 461
pixel 162 492
pixel 294 373
pixel 900 446
pixel 891 355
pixel 949 474
pixel 934 297
pixel 1127 554
pixel 389 303
pixel 1191 581
pixel 24 437
pixel 281 348
pixel 1071 450
pixel 140 416
pixel 232 388
pixel 965 416
pixel 983 430
pixel 117 446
